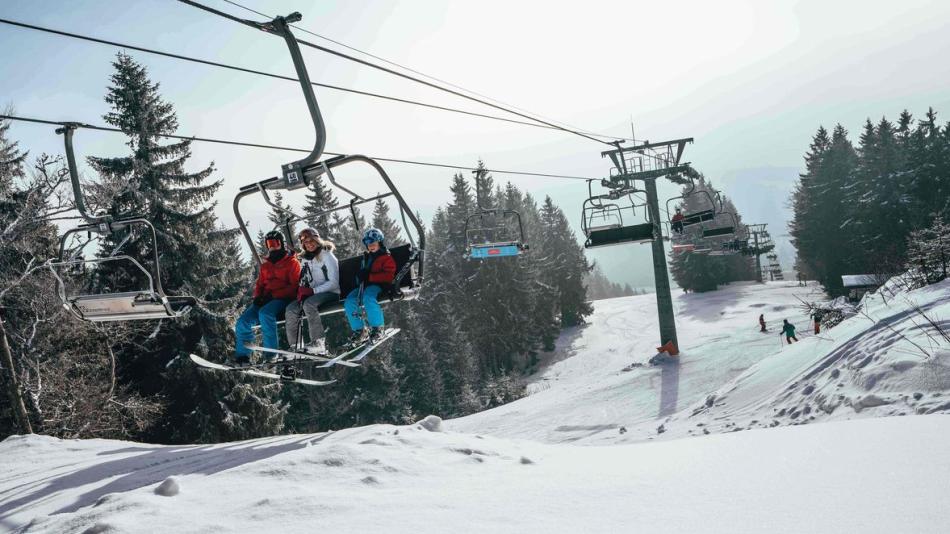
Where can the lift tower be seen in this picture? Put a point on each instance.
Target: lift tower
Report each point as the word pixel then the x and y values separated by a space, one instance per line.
pixel 761 244
pixel 647 162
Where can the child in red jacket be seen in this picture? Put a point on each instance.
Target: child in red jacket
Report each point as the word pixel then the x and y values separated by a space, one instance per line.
pixel 276 287
pixel 377 271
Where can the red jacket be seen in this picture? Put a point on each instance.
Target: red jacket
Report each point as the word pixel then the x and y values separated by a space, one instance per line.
pixel 279 280
pixel 383 269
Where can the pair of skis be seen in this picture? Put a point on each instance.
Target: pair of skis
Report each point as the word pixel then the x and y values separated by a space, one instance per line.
pixel 349 358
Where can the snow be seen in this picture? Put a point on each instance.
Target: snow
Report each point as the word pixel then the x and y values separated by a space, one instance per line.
pixel 860 280
pixel 601 444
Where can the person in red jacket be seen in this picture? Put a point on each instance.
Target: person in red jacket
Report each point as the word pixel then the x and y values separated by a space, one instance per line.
pixel 376 274
pixel 677 221
pixel 276 287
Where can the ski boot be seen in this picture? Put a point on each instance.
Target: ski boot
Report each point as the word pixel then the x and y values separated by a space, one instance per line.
pixel 288 373
pixel 375 334
pixel 317 348
pixel 358 338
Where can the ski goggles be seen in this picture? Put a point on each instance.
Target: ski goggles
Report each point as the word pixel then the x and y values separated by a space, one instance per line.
pixel 273 243
pixel 368 240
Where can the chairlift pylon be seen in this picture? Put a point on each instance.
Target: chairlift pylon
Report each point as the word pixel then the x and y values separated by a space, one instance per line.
pixel 299 174
pixel 150 302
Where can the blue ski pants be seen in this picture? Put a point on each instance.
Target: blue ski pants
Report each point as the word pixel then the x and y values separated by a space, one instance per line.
pixel 374 313
pixel 266 316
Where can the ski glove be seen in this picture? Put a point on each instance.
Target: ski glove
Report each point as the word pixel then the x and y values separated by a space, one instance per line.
pixel 362 275
pixel 262 299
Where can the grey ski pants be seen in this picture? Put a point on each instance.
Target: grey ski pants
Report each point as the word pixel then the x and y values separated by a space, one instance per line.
pixel 308 306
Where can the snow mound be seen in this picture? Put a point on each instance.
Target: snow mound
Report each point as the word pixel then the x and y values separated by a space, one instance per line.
pixel 168 488
pixel 432 423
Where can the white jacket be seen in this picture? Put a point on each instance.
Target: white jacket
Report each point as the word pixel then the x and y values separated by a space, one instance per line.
pixel 321 273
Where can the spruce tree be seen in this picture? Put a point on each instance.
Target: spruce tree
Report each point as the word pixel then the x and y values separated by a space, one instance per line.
pixel 412 352
pixel 198 256
pixel 384 222
pixel 569 264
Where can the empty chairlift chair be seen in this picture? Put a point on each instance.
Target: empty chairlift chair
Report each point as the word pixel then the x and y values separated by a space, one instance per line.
pixel 606 224
pixel 721 231
pixel 494 233
pixel 148 302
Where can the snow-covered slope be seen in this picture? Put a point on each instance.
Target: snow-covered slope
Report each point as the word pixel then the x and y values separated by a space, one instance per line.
pixel 602 382
pixel 864 476
pixel 529 467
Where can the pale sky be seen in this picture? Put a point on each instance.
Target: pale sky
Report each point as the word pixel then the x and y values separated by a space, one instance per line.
pixel 751 81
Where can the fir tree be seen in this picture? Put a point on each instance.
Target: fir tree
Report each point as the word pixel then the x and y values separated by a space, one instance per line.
pixel 384 222
pixel 412 352
pixel 569 264
pixel 928 256
pixel 198 256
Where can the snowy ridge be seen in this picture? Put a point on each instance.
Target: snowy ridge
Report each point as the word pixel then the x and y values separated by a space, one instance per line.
pixel 881 362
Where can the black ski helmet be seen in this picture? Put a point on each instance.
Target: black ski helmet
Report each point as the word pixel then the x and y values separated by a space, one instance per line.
pixel 275 235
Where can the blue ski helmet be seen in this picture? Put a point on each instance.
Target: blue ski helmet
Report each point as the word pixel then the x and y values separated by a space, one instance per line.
pixel 373 235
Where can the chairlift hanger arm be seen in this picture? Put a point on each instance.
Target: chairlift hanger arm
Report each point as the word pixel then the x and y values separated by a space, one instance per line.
pixel 67 130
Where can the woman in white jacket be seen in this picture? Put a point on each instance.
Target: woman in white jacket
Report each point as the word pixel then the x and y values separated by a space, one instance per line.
pixel 319 283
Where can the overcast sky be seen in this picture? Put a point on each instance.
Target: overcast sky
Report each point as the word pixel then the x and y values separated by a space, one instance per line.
pixel 751 81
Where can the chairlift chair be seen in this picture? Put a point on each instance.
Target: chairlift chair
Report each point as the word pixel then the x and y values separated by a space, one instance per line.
pixel 491 233
pixel 693 217
pixel 300 174
pixel 488 235
pixel 721 231
pixel 150 302
pixel 604 225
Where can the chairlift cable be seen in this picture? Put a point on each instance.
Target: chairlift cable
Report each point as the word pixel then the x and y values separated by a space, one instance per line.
pixel 396 73
pixel 292 149
pixel 277 76
pixel 414 71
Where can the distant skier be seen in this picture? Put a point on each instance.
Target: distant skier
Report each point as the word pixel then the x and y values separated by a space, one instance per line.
pixel 789 330
pixel 319 283
pixel 276 287
pixel 377 271
pixel 762 322
pixel 817 316
pixel 676 223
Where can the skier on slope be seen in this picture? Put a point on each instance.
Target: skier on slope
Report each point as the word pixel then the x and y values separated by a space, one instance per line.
pixel 789 330
pixel 817 316
pixel 762 322
pixel 319 283
pixel 676 223
pixel 276 287
pixel 376 274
